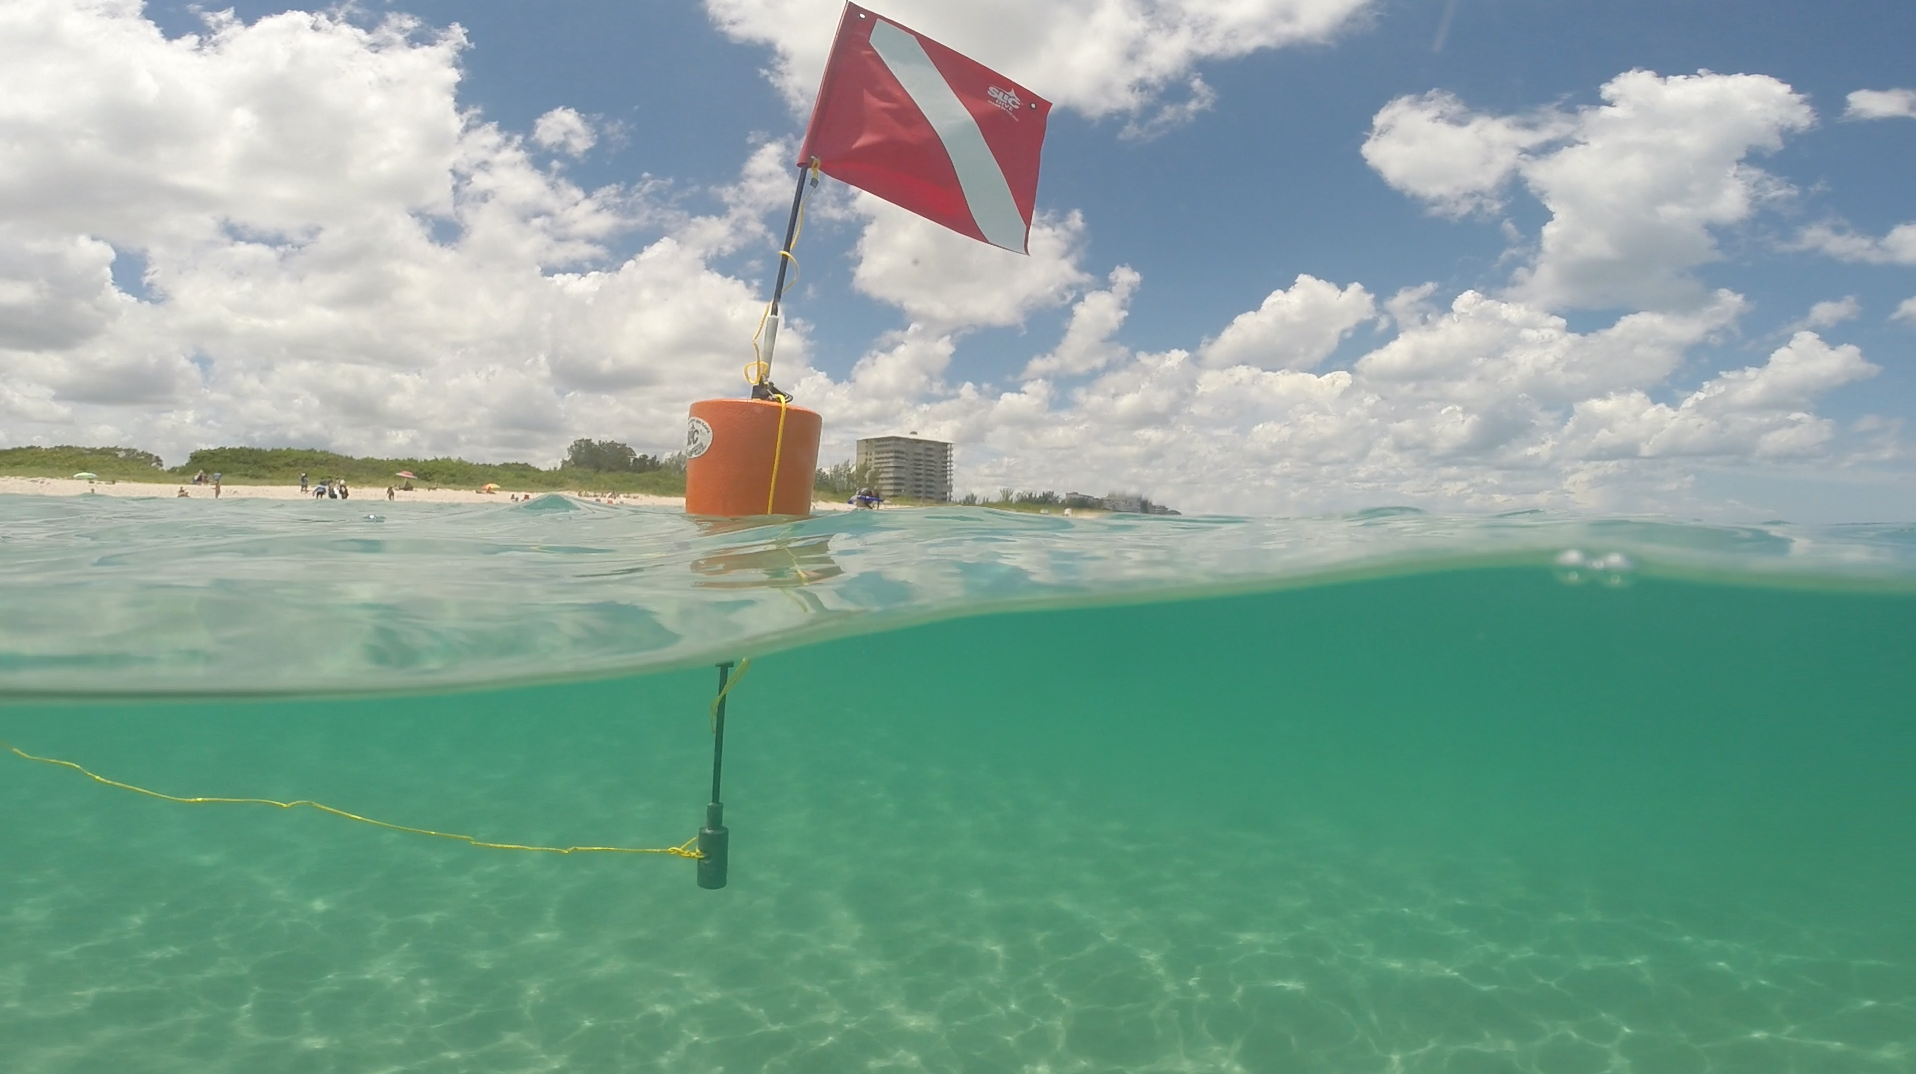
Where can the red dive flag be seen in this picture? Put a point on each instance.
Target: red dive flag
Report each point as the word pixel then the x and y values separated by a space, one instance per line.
pixel 928 130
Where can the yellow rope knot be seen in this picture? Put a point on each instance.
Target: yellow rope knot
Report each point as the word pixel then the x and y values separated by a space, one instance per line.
pixel 744 666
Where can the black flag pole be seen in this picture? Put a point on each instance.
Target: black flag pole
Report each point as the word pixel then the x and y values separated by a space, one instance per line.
pixel 791 236
pixel 762 386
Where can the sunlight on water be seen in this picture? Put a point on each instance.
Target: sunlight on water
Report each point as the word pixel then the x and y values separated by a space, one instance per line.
pixel 148 596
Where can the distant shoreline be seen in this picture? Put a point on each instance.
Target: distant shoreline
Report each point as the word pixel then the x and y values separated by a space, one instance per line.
pixel 367 494
pixel 421 493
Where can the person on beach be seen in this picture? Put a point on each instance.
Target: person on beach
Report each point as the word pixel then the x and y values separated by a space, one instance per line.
pixel 216 486
pixel 390 493
pixel 344 492
pixel 302 482
pixel 182 492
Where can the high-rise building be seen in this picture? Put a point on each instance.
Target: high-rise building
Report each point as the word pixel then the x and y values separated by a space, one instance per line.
pixel 908 466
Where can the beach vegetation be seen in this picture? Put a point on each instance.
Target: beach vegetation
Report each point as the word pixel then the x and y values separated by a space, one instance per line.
pixel 840 480
pixel 612 457
pixel 111 463
pixel 1055 502
pixel 277 466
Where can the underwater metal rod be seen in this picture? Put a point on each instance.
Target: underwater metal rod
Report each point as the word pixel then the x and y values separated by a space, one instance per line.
pixel 714 839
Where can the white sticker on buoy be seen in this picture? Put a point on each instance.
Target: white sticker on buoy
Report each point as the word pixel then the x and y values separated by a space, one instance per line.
pixel 698 438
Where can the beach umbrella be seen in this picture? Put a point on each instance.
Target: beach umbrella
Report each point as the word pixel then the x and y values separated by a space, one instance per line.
pixel 489 487
pixel 408 475
pixel 86 475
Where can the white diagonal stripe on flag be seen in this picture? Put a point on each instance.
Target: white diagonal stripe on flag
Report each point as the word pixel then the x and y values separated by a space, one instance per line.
pixel 983 181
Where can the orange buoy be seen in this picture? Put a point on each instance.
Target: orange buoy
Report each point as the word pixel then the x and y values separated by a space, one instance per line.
pixel 748 457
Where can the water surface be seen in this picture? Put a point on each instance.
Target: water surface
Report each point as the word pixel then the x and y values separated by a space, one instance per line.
pixel 1381 793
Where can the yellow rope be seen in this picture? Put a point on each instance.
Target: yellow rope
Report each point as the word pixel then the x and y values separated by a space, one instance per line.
pixel 758 370
pixel 743 667
pixel 687 849
pixel 778 448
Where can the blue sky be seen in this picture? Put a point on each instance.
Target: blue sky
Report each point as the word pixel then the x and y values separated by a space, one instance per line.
pixel 1213 210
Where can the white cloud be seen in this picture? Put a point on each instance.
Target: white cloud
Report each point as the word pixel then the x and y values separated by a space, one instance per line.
pixel 564 130
pixel 764 187
pixel 55 290
pixel 1896 248
pixel 949 281
pixel 336 253
pixel 1489 404
pixel 1172 115
pixel 1634 197
pixel 1293 329
pixel 1634 189
pixel 293 123
pixel 1411 306
pixel 1485 351
pixel 1881 104
pixel 1906 311
pixel 32 405
pixel 1098 57
pixel 1434 148
pixel 1827 314
pixel 1754 412
pixel 403 277
pixel 1087 344
pixel 910 366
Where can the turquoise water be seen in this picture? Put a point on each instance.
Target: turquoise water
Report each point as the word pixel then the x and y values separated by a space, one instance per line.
pixel 1381 793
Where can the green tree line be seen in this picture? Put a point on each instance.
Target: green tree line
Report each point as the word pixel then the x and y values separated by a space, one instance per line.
pixel 283 466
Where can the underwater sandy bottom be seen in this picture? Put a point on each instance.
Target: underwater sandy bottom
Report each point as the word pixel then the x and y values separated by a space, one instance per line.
pixel 1476 821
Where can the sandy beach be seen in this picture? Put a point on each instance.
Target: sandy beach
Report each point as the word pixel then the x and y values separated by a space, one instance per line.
pixel 65 486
